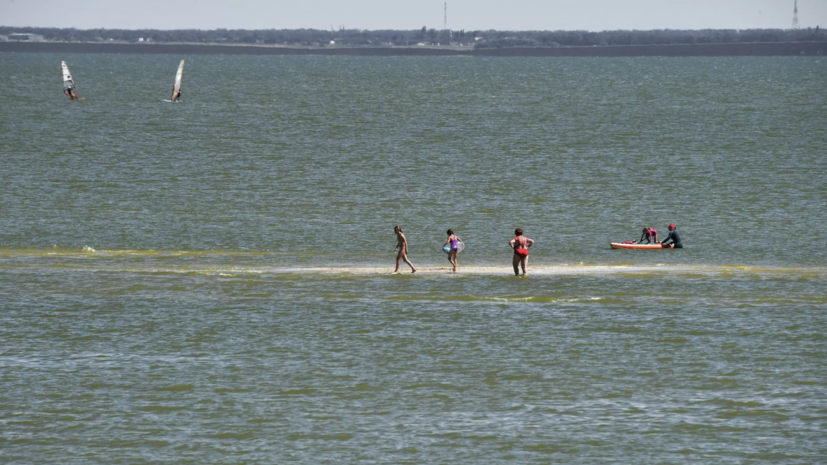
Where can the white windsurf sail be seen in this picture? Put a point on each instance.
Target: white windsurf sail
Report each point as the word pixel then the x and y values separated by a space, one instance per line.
pixel 68 82
pixel 176 88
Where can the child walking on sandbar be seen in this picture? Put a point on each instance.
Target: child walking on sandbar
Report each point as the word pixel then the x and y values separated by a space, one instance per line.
pixel 452 246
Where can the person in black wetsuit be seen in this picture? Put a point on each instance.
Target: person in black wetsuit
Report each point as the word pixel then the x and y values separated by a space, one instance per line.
pixel 673 238
pixel 176 96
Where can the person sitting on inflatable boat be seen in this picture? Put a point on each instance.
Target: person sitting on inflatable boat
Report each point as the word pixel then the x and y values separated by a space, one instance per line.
pixel 673 239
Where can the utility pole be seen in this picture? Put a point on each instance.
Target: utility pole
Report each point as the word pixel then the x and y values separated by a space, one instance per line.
pixel 795 16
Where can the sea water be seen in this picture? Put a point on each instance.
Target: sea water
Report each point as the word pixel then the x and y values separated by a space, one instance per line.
pixel 210 281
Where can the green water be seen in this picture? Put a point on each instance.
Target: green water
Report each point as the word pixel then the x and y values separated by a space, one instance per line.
pixel 238 306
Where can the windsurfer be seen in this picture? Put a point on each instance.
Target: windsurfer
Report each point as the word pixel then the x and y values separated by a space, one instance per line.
pixel 176 95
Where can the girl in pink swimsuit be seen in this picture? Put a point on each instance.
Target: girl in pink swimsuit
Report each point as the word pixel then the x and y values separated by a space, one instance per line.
pixel 520 244
pixel 454 241
pixel 650 234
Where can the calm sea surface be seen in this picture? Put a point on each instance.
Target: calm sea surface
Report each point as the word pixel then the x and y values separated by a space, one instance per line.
pixel 234 303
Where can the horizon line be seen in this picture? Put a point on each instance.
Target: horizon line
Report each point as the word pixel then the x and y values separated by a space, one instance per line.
pixel 415 29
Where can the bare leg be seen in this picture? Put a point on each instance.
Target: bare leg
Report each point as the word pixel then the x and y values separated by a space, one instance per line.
pixel 404 256
pixel 516 263
pixel 524 262
pixel 398 258
pixel 452 257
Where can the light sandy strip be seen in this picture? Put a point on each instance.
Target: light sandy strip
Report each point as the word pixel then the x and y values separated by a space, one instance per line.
pixel 540 270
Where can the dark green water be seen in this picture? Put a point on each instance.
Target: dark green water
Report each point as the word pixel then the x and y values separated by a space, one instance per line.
pixel 238 306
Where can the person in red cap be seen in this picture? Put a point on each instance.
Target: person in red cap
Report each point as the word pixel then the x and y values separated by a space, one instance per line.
pixel 673 239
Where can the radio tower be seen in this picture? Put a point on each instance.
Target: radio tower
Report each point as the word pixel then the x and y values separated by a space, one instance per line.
pixel 795 16
pixel 445 21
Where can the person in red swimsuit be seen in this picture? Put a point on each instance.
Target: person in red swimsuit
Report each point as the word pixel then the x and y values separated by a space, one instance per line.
pixel 520 244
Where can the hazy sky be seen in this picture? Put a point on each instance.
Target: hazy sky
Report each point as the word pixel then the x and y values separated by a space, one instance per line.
pixel 594 15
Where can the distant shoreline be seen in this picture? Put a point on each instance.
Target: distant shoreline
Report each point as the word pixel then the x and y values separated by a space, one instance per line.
pixel 711 50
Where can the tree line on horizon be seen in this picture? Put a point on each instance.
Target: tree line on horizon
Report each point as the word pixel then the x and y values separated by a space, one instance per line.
pixel 425 36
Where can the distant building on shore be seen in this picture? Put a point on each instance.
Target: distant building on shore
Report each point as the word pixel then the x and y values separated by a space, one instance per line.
pixel 28 36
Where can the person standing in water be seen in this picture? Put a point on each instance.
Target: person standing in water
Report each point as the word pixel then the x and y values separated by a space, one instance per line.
pixel 453 241
pixel 401 249
pixel 673 239
pixel 520 244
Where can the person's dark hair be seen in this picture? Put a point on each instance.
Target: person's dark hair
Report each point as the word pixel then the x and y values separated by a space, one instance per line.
pixel 450 231
pixel 518 232
pixel 397 228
